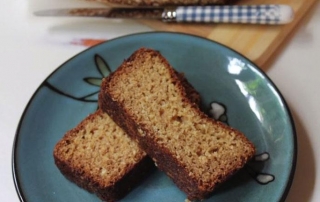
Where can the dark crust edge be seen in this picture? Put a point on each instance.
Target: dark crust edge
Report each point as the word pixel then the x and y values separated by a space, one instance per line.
pixel 173 168
pixel 165 162
pixel 111 193
pixel 132 177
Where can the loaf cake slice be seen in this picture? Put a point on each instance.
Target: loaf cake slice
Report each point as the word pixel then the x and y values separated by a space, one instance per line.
pixel 146 98
pixel 98 156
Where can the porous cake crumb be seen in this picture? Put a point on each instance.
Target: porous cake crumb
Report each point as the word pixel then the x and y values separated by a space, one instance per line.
pixel 146 98
pixel 100 157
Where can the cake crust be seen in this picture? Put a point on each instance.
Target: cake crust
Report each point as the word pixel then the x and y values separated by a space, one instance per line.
pixel 86 173
pixel 93 147
pixel 196 182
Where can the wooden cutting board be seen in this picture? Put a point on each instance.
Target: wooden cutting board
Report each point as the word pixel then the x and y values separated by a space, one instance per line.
pixel 256 42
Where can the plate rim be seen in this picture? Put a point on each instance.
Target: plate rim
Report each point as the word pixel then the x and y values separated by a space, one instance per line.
pixel 288 185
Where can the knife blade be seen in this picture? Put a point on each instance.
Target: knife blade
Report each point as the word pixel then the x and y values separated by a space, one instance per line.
pixel 252 14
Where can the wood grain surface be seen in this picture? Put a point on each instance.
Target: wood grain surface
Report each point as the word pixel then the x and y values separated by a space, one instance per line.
pixel 256 42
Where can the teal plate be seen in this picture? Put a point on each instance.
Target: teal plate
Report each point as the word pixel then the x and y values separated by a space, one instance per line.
pixel 225 80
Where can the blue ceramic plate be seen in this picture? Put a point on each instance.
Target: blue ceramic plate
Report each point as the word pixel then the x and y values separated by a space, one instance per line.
pixel 225 79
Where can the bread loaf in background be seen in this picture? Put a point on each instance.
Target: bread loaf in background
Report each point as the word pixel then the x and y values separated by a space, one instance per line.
pixel 163 2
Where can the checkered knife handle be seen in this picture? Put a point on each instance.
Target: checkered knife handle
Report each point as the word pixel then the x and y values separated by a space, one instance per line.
pixel 254 14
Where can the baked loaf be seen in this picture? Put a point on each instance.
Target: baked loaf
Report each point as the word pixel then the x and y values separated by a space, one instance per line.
pixel 146 98
pixel 98 156
pixel 164 2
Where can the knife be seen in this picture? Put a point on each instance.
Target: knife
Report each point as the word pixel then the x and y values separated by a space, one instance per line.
pixel 252 14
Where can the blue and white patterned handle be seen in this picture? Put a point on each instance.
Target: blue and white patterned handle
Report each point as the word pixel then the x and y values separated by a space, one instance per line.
pixel 254 14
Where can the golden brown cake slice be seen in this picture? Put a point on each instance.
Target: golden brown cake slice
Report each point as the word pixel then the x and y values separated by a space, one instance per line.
pixel 98 156
pixel 146 98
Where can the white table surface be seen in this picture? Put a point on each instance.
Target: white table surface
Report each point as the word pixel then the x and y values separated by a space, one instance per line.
pixel 31 48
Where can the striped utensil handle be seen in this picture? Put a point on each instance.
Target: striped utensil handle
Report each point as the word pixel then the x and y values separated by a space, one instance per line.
pixel 254 14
